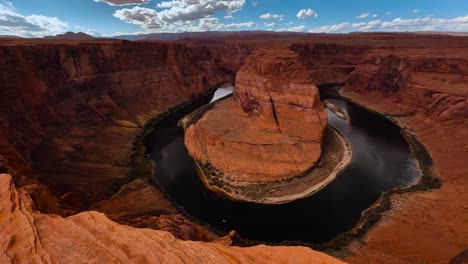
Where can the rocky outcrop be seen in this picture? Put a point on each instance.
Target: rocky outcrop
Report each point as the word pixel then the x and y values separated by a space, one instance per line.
pixel 271 130
pixel 429 83
pixel 90 237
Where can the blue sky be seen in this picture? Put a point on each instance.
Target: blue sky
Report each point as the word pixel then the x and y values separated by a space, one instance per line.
pixel 34 18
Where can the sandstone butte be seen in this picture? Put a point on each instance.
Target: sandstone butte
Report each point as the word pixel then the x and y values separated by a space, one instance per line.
pixel 70 112
pixel 271 130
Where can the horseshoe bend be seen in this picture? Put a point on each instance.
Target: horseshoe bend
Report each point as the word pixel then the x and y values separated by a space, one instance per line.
pixel 273 130
pixel 333 148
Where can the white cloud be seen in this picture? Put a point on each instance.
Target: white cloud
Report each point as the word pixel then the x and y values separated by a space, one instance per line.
pixel 388 13
pixel 305 13
pixel 184 15
pixel 190 10
pixel 208 23
pixel 89 31
pixel 249 24
pixel 12 23
pixel 363 15
pixel 5 5
pixel 418 24
pixel 375 15
pixel 123 2
pixel 147 18
pixel 272 24
pixel 416 11
pixel 300 28
pixel 271 16
pixel 254 3
pixel 373 25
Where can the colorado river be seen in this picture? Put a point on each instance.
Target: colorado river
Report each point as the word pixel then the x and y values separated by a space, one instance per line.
pixel 381 161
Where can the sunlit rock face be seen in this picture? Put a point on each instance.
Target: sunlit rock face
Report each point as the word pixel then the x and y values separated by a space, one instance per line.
pixel 90 237
pixel 271 129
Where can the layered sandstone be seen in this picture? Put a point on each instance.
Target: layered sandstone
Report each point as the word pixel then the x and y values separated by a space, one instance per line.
pixel 90 237
pixel 273 127
pixel 418 80
pixel 71 111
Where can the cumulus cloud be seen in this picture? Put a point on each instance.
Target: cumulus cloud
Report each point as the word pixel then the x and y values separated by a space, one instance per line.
pixel 12 23
pixel 208 23
pixel 300 28
pixel 184 15
pixel 398 24
pixel 363 15
pixel 271 16
pixel 147 18
pixel 212 23
pixel 305 13
pixel 89 31
pixel 270 25
pixel 249 24
pixel 190 10
pixel 416 11
pixel 123 2
pixel 375 15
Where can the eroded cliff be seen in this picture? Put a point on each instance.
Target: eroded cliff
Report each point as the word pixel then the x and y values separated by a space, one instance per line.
pixel 70 111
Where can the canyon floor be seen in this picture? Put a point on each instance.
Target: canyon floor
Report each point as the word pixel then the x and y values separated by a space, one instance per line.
pixel 73 117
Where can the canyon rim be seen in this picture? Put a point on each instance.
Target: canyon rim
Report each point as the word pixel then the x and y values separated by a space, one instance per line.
pixel 103 140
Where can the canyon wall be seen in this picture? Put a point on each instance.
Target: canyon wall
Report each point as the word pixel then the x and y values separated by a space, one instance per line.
pixel 431 82
pixel 71 111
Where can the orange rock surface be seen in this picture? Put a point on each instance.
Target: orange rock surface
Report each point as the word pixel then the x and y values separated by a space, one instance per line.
pixel 90 237
pixel 69 113
pixel 273 127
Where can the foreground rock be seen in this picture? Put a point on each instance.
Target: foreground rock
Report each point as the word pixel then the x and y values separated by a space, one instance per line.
pixel 90 237
pixel 272 129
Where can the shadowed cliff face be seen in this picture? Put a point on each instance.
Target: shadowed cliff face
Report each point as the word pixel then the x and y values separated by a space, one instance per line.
pixel 418 76
pixel 425 83
pixel 330 63
pixel 69 113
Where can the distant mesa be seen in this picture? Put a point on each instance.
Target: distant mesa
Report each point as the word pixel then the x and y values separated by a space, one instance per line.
pixel 206 34
pixel 9 37
pixel 71 36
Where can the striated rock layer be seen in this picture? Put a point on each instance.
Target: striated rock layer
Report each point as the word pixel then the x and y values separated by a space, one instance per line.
pixel 70 112
pixel 60 127
pixel 273 127
pixel 90 237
